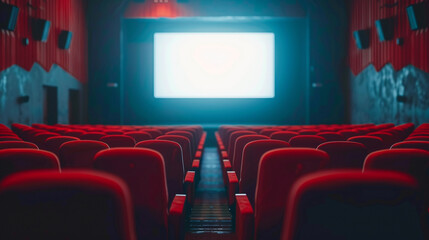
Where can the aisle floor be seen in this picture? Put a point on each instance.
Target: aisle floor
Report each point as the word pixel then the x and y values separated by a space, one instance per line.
pixel 210 216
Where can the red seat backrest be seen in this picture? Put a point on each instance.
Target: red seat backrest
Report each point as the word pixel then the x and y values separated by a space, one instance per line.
pixel 240 143
pixel 173 158
pixel 144 172
pixel 92 136
pixel 283 135
pixel 278 170
pixel 233 137
pixel 372 143
pixel 345 154
pixel 188 135
pixel 308 141
pixel 332 136
pixel 252 154
pixel 139 135
pixel 423 145
pixel 17 144
pixel 53 144
pixel 118 141
pixel 77 204
pixel 79 154
pixel 339 205
pixel 186 148
pixel 17 160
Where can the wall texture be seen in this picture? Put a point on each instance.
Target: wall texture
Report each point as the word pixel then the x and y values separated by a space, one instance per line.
pixel 16 81
pixel 24 70
pixel 384 71
pixel 374 95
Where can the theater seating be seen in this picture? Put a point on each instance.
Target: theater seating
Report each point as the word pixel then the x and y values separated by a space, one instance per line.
pixel 92 136
pixel 344 154
pixel 372 143
pixel 332 136
pixel 307 141
pixel 144 172
pixel 15 160
pixel 278 170
pixel 73 205
pixel 17 144
pixel 424 145
pixel 283 135
pixel 118 141
pixel 339 205
pixel 80 154
pixel 244 180
pixel 53 144
pixel 239 145
pixel 139 135
pixel 178 181
pixel 186 148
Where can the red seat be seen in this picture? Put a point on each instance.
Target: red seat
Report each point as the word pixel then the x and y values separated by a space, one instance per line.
pixel 410 161
pixel 424 145
pixel 174 168
pixel 189 136
pixel 283 135
pixel 153 132
pixel 92 136
pixel 79 154
pixel 307 141
pixel 113 132
pixel 40 138
pixel 252 154
pixel 348 133
pixel 118 141
pixel 75 133
pixel 278 170
pixel 73 205
pixel 267 132
pixel 339 205
pixel 186 148
pixel 144 172
pixel 372 143
pixel 17 160
pixel 233 137
pixel 53 144
pixel 332 136
pixel 9 138
pixel 139 136
pixel 418 138
pixel 388 138
pixel 240 143
pixel 17 144
pixel 344 154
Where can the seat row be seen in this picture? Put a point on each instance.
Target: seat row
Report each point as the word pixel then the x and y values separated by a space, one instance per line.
pixel 161 185
pixel 264 170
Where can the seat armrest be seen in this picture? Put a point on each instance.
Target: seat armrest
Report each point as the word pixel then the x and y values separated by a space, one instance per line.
pixel 176 218
pixel 195 165
pixel 198 154
pixel 227 165
pixel 190 186
pixel 244 221
pixel 232 186
pixel 224 154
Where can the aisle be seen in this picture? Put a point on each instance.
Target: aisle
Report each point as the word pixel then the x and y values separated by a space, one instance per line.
pixel 210 217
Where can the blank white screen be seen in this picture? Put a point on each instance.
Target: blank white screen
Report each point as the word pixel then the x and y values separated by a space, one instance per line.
pixel 214 65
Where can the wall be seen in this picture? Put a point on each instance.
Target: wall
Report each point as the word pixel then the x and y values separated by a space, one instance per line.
pixel 25 69
pixel 384 71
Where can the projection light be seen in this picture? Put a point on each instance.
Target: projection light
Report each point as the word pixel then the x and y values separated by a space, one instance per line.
pixel 214 65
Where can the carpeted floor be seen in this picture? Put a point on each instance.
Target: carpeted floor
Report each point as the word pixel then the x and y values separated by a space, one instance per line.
pixel 210 217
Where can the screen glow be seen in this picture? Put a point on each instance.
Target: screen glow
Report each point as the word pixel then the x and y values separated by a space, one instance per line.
pixel 214 65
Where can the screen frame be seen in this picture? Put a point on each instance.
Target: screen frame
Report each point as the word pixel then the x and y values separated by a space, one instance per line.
pixel 291 90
